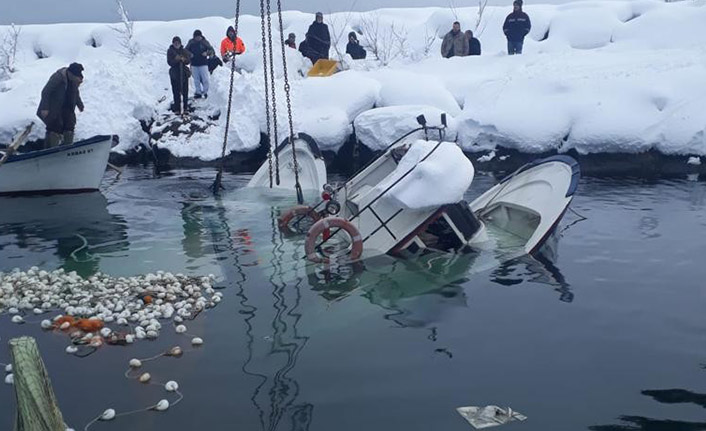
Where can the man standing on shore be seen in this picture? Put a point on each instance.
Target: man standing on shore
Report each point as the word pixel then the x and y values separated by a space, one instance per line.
pixel 517 26
pixel 455 43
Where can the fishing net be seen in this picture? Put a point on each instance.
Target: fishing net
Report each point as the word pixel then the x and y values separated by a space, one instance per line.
pixel 37 408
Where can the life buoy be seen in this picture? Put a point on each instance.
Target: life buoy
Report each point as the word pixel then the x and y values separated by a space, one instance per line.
pixel 321 227
pixel 302 211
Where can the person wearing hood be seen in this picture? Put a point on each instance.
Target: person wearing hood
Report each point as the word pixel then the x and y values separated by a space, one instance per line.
pixel 455 43
pixel 291 41
pixel 473 43
pixel 319 38
pixel 307 51
pixel 200 50
pixel 57 108
pixel 178 59
pixel 517 26
pixel 231 45
pixel 354 49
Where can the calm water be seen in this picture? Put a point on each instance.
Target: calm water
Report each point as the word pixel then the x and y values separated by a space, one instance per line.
pixel 604 332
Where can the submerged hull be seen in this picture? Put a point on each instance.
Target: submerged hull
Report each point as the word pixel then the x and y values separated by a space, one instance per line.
pixel 64 169
pixel 310 163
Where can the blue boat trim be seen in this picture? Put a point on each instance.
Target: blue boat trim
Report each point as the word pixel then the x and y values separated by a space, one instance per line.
pixel 575 170
pixel 40 153
pixel 313 146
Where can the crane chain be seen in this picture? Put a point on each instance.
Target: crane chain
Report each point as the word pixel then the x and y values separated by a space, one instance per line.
pixel 271 149
pixel 273 87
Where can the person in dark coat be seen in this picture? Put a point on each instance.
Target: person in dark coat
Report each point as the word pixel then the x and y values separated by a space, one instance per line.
pixel 291 41
pixel 201 50
pixel 319 37
pixel 57 109
pixel 517 26
pixel 178 59
pixel 473 43
pixel 354 49
pixel 307 51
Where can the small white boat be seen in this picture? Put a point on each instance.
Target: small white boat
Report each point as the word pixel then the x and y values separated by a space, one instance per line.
pixel 63 169
pixel 361 219
pixel 310 163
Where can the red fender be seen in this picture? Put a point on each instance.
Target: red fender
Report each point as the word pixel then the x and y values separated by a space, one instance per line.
pixel 323 226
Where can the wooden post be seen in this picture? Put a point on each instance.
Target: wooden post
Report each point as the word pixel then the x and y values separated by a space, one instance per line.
pixel 37 409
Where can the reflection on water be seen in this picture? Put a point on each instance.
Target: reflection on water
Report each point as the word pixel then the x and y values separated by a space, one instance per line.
pixel 77 228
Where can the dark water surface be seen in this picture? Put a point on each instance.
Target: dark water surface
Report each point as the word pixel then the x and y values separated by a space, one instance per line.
pixel 606 331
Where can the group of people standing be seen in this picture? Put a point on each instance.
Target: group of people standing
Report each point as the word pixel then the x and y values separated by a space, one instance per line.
pixel 517 25
pixel 198 60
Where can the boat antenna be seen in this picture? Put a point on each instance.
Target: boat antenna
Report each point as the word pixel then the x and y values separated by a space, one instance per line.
pixel 217 185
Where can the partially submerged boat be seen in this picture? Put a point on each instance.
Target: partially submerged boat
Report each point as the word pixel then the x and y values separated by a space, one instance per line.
pixel 309 164
pixel 409 199
pixel 63 169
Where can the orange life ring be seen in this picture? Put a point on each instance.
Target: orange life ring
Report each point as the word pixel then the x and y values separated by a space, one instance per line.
pixel 323 226
pixel 297 211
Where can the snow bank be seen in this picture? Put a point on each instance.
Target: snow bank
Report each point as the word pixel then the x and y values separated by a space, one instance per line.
pixel 380 127
pixel 430 168
pixel 596 76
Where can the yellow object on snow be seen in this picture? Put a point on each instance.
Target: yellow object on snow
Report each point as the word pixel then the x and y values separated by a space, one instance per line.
pixel 324 68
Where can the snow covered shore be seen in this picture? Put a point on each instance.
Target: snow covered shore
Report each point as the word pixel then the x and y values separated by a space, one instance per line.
pixel 597 76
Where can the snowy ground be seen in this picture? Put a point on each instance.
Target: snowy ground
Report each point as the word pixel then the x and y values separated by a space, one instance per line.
pixel 598 76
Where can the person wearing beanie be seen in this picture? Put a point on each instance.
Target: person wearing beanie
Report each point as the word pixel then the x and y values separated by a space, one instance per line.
pixel 291 41
pixel 318 39
pixel 517 26
pixel 231 45
pixel 354 49
pixel 178 59
pixel 57 108
pixel 200 50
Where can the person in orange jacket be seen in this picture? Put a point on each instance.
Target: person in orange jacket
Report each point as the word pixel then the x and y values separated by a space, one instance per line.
pixel 231 45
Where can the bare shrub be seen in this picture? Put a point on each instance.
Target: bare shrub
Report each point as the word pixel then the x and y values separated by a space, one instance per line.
pixel 386 42
pixel 126 32
pixel 8 50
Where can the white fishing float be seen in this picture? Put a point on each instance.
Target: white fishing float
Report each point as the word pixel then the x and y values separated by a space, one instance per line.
pixel 46 324
pixel 108 415
pixel 10 379
pixel 145 377
pixel 162 405
pixel 105 332
pixel 196 341
pixel 171 386
pixel 8 368
pixel 71 349
pixel 135 363
pixel 180 329
pixel 17 319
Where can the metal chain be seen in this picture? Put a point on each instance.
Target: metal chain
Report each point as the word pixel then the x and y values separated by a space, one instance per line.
pixel 271 149
pixel 273 87
pixel 217 184
pixel 287 88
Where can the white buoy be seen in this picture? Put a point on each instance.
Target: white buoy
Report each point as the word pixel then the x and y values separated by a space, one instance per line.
pixel 162 405
pixel 135 363
pixel 145 377
pixel 17 319
pixel 46 324
pixel 8 368
pixel 196 341
pixel 175 351
pixel 180 329
pixel 108 415
pixel 64 326
pixel 105 332
pixel 129 338
pixel 10 379
pixel 171 386
pixel 71 349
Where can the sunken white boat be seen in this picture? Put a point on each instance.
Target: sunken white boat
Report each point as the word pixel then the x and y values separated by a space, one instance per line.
pixel 309 164
pixel 63 169
pixel 377 210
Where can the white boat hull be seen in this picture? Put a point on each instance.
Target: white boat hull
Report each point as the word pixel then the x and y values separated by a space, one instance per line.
pixel 310 163
pixel 73 168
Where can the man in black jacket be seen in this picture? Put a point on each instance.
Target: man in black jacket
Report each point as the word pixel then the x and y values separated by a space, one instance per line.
pixel 473 43
pixel 57 109
pixel 178 59
pixel 319 38
pixel 517 26
pixel 201 50
pixel 354 49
